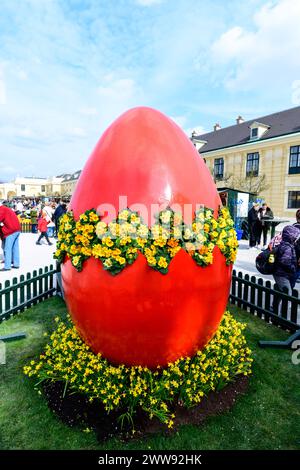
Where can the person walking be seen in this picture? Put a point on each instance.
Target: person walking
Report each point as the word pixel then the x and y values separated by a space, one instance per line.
pixel 10 229
pixel 48 212
pixel 253 224
pixel 286 258
pixel 59 211
pixel 42 228
pixel 265 215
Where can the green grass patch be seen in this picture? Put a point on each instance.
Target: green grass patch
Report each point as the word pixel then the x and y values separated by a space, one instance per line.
pixel 268 417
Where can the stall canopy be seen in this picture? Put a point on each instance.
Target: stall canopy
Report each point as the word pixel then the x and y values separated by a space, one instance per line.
pixel 238 203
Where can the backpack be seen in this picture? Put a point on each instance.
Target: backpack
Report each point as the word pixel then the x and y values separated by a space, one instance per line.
pixel 264 263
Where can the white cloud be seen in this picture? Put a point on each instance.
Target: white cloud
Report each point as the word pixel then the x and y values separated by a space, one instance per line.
pixel 2 88
pixel 296 92
pixel 266 56
pixel 148 3
pixel 117 95
pixel 89 111
pixel 199 130
pixel 77 132
pixel 180 120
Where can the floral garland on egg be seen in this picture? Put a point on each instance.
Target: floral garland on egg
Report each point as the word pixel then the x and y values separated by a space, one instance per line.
pixel 118 243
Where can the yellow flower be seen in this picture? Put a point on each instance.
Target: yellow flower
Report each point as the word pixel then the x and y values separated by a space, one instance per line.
pixel 108 241
pixel 162 262
pixel 101 229
pixel 76 260
pixel 73 249
pixel 151 260
pixel 142 231
pixel 108 263
pixel 123 215
pixel 160 242
pixel 93 217
pixel 165 217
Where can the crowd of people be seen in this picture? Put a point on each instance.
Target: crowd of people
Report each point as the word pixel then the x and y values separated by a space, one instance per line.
pixel 44 216
pixel 259 223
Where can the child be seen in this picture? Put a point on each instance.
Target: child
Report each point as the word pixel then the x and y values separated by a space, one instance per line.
pixel 42 227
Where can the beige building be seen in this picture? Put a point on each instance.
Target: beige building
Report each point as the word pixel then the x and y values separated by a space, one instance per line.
pixel 68 183
pixel 263 152
pixel 28 187
pixel 55 186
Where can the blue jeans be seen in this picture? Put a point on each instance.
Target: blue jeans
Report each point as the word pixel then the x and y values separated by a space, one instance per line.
pixel 11 251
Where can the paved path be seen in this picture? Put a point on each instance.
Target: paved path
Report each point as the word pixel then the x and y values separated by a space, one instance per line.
pixel 245 261
pixel 32 256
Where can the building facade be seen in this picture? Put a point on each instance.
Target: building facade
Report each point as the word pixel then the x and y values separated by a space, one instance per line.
pixel 265 151
pixel 23 187
pixel 54 186
pixel 68 183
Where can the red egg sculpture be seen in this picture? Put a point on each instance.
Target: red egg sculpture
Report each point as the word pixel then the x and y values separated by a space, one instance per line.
pixel 140 316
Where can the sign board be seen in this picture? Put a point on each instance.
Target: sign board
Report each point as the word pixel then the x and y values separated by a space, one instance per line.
pixel 242 204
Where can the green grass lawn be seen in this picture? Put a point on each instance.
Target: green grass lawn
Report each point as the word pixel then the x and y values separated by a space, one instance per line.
pixel 268 417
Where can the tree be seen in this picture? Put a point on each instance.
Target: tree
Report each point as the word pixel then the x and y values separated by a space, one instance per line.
pixel 251 184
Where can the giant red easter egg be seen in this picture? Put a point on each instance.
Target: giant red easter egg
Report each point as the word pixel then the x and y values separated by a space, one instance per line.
pixel 140 316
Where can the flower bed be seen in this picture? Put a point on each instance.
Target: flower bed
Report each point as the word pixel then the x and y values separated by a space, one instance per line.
pixel 126 390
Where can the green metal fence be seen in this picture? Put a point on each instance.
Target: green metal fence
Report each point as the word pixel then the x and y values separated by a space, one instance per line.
pixel 25 291
pixel 253 294
pixel 26 227
pixel 258 297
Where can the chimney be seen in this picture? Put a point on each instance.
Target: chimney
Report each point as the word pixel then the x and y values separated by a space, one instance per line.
pixel 239 120
pixel 217 127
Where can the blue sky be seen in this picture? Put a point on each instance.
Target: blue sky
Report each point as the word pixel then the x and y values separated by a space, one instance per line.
pixel 68 68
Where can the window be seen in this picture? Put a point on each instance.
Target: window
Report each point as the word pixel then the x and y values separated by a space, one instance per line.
pixel 252 164
pixel 22 187
pixel 294 200
pixel 294 166
pixel 219 168
pixel 43 188
pixel 254 132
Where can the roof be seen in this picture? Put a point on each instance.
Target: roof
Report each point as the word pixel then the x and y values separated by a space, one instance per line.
pixel 221 190
pixel 281 123
pixel 71 177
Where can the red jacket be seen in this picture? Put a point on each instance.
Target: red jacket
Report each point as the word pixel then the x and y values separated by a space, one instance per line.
pixel 42 225
pixel 10 221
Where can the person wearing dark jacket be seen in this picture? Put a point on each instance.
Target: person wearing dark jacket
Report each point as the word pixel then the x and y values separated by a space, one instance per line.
pixel 10 232
pixel 59 211
pixel 253 224
pixel 297 248
pixel 265 215
pixel 286 258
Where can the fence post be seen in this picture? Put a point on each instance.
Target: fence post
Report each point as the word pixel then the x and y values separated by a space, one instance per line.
pixel 284 303
pixel 15 292
pixel 46 283
pixel 240 288
pixel 294 306
pixel 233 286
pixel 7 295
pixel 34 286
pixel 28 289
pixel 252 294
pixel 267 301
pixel 246 291
pixel 276 302
pixel 260 284
pixel 22 292
pixel 40 277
